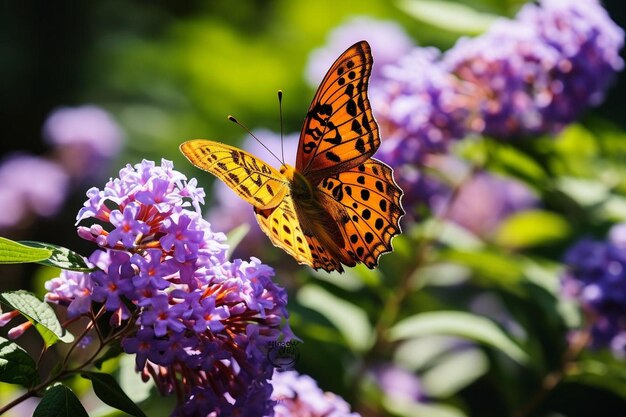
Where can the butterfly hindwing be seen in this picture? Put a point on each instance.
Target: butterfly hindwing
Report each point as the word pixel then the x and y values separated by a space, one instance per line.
pixel 366 206
pixel 339 131
pixel 255 181
pixel 281 225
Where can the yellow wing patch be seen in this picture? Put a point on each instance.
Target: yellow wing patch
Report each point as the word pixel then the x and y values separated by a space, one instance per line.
pixel 252 179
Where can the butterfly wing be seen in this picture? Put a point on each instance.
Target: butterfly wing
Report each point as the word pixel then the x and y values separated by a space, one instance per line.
pixel 285 230
pixel 339 131
pixel 365 203
pixel 252 179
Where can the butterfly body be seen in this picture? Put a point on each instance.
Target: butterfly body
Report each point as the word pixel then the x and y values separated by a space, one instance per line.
pixel 337 205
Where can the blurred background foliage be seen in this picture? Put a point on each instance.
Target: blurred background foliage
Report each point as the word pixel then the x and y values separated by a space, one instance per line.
pixel 452 323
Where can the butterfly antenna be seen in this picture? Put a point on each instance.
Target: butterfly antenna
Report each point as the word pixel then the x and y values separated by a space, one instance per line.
pixel 235 121
pixel 280 112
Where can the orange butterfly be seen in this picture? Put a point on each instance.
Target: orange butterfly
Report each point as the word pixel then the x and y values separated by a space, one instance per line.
pixel 338 205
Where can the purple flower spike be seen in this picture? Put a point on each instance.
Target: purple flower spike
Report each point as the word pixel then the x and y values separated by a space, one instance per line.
pixel 596 277
pixel 197 323
pixel 299 395
pixel 29 184
pixel 540 72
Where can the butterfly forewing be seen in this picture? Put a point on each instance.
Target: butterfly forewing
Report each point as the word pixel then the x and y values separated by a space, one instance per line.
pixel 252 179
pixel 339 131
pixel 365 203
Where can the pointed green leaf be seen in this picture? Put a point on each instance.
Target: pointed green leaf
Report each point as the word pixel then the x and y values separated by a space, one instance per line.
pixel 461 324
pixel 108 390
pixel 348 318
pixel 15 253
pixel 60 257
pixel 448 15
pixel 60 401
pixel 530 228
pixel 16 367
pixel 131 382
pixel 40 314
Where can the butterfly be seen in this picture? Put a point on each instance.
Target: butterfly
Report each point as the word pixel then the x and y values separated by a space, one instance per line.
pixel 338 205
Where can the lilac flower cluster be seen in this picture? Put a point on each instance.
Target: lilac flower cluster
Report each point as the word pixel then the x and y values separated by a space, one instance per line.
pixel 596 277
pixel 537 73
pixel 83 139
pixel 484 201
pixel 419 107
pixel 299 395
pixel 30 185
pixel 199 322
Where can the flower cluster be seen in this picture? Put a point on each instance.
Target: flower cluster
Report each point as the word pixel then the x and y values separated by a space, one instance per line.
pixel 30 185
pixel 299 395
pixel 596 276
pixel 84 137
pixel 485 200
pixel 537 73
pixel 83 140
pixel 198 322
pixel 419 106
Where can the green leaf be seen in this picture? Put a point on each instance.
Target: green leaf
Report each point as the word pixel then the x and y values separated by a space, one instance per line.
pixel 531 228
pixel 108 390
pixel 454 372
pixel 60 257
pixel 450 16
pixel 606 373
pixel 40 314
pixel 60 401
pixel 236 235
pixel 487 264
pixel 131 382
pixel 402 407
pixel 512 162
pixel 460 324
pixel 586 192
pixel 15 253
pixel 16 367
pixel 348 318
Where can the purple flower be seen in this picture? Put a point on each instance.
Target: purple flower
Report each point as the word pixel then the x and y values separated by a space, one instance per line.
pixel 539 72
pixel 30 185
pixel 88 125
pixel 84 137
pixel 596 277
pixel 388 41
pixel 299 395
pixel 485 200
pixel 420 107
pixel 199 323
pixel 127 227
pixel 73 289
pixel 397 383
